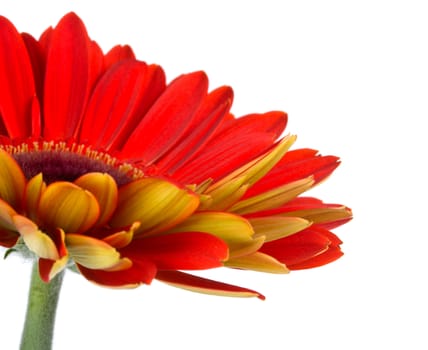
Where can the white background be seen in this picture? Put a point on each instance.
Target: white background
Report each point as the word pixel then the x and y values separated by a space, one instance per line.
pixel 353 76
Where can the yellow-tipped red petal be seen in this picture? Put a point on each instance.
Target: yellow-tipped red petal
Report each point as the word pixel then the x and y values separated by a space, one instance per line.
pixel 156 204
pixel 69 207
pixel 274 198
pixel 104 188
pixel 48 269
pixel 122 264
pixel 91 252
pixel 37 241
pixel 203 285
pixel 276 227
pixel 33 191
pixel 12 180
pixel 233 229
pixel 257 262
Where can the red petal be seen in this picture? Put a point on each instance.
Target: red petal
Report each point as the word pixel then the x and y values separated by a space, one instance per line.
pixel 241 141
pixel 119 100
pixel 96 64
pixel 117 54
pixel 45 267
pixel 140 272
pixel 222 156
pixel 302 246
pixel 38 62
pixel 332 254
pixel 271 122
pixel 304 203
pixel 207 119
pixel 168 119
pixel 16 82
pixel 198 283
pixel 179 251
pixel 8 238
pixel 295 165
pixel 45 40
pixel 67 78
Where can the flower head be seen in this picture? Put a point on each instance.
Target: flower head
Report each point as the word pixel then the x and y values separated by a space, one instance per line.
pixel 106 166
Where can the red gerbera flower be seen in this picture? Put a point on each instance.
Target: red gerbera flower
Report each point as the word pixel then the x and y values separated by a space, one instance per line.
pixel 106 166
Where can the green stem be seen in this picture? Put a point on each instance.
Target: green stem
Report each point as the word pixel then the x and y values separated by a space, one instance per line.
pixel 41 309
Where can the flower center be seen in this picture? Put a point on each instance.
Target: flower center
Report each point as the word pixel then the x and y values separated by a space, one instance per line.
pixel 59 161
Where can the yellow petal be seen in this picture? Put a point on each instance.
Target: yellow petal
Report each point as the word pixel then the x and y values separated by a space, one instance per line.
pixel 234 230
pixel 104 188
pixel 322 215
pixel 257 262
pixel 273 198
pixel 12 180
pixel 276 227
pixel 155 203
pixel 69 207
pixel 33 192
pixel 122 238
pixel 91 252
pixel 224 196
pixel 37 241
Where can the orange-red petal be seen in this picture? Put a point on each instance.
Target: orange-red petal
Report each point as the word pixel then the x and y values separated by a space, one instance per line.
pixel 179 251
pixel 302 247
pixel 140 272
pixel 203 285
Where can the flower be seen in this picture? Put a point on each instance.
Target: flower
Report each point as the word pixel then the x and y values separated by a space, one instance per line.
pixel 106 166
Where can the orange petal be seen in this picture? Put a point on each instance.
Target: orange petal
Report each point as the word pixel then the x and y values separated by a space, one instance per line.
pixel 8 234
pixel 37 241
pixel 6 214
pixel 69 207
pixel 91 252
pixel 155 203
pixel 12 180
pixel 104 188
